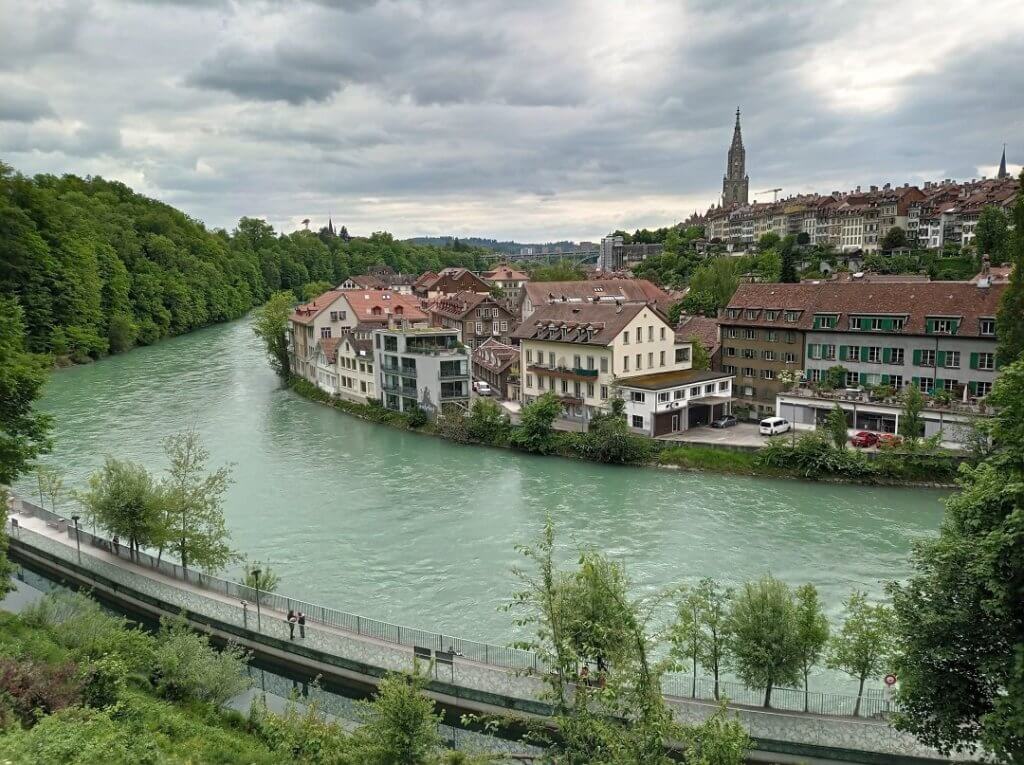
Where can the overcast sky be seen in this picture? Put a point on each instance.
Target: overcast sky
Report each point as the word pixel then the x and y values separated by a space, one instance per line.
pixel 526 119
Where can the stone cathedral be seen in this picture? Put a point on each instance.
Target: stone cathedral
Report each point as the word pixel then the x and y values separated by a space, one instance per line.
pixel 736 183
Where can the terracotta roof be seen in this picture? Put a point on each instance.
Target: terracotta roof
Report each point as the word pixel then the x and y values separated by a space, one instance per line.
pixel 366 281
pixel 306 312
pixel 457 306
pixel 425 280
pixel 580 323
pixel 376 305
pixel 914 301
pixel 631 290
pixel 505 273
pixel 329 345
pixel 701 327
pixel 495 355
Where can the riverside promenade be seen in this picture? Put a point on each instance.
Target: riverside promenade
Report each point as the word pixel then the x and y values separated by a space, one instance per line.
pixel 466 676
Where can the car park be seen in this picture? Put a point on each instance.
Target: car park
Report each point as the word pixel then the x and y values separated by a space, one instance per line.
pixel 725 421
pixel 771 426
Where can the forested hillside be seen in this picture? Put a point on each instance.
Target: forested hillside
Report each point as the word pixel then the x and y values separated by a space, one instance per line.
pixel 98 268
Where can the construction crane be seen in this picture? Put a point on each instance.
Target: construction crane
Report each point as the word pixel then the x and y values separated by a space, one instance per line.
pixel 773 192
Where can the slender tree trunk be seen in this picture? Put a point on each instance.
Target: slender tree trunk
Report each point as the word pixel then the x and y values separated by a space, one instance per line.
pixel 806 673
pixel 860 692
pixel 693 692
pixel 768 693
pixel 716 679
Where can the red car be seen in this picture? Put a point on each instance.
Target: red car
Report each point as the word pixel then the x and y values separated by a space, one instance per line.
pixel 864 439
pixel 890 439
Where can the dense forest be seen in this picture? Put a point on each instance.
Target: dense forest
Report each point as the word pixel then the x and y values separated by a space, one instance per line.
pixel 98 268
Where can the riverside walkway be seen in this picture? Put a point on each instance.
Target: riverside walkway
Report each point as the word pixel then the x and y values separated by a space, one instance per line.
pixel 466 676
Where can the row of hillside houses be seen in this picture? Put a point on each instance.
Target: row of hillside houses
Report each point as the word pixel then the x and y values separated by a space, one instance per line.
pixel 933 216
pixel 789 350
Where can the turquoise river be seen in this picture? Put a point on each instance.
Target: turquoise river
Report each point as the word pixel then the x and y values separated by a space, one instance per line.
pixel 419 531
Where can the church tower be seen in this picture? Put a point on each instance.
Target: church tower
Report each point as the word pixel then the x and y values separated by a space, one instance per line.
pixel 1002 166
pixel 735 183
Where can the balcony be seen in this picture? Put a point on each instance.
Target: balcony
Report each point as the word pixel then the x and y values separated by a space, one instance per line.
pixel 401 390
pixel 453 375
pixel 567 373
pixel 973 406
pixel 399 370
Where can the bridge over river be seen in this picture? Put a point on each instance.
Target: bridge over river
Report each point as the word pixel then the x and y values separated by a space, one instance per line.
pixel 467 676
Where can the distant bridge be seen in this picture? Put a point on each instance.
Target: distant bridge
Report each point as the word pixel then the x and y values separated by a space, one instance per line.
pixel 574 256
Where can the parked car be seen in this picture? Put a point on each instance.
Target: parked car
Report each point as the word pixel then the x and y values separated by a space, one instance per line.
pixel 890 439
pixel 770 426
pixel 864 439
pixel 725 421
pixel 482 388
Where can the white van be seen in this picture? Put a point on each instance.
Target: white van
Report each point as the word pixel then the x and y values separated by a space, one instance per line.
pixel 772 425
pixel 481 388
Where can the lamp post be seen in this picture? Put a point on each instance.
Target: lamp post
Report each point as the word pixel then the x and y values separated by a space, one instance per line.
pixel 78 540
pixel 256 586
pixel 245 614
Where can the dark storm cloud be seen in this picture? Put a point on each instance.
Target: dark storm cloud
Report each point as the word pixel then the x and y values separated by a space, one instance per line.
pixel 526 119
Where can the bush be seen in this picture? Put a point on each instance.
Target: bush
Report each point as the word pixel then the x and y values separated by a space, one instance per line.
pixel 710 458
pixel 609 440
pixel 536 432
pixel 416 417
pixel 104 682
pixel 185 666
pixel 33 689
pixel 303 736
pixel 487 423
pixel 813 455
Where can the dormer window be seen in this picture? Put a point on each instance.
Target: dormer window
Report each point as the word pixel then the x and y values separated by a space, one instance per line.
pixel 792 316
pixel 751 313
pixel 771 315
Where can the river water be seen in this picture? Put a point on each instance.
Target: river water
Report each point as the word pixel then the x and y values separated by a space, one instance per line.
pixel 419 531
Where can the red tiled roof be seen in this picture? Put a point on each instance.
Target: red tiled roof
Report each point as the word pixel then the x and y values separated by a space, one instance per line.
pixel 915 301
pixel 377 305
pixel 703 328
pixel 502 354
pixel 306 312
pixel 603 320
pixel 505 273
pixel 631 290
pixel 329 345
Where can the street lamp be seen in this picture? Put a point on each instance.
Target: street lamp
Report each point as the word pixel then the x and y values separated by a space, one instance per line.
pixel 245 614
pixel 78 539
pixel 256 586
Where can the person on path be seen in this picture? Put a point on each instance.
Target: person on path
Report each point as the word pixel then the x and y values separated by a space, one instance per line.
pixel 302 624
pixel 117 545
pixel 291 624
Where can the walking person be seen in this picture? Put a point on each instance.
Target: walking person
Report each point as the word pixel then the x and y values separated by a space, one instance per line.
pixel 302 625
pixel 117 545
pixel 291 624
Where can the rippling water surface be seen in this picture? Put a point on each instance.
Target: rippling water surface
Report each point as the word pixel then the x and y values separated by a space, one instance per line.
pixel 416 530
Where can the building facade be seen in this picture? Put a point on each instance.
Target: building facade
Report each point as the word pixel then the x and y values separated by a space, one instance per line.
pixel 355 365
pixel 477 316
pixel 673 402
pixel 511 283
pixel 497 364
pixel 425 367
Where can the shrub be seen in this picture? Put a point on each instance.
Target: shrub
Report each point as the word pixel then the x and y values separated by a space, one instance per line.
pixel 34 689
pixel 104 682
pixel 536 432
pixel 185 666
pixel 488 423
pixel 416 417
pixel 303 736
pixel 813 455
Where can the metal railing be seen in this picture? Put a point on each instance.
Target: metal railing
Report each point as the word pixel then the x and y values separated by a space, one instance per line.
pixel 874 702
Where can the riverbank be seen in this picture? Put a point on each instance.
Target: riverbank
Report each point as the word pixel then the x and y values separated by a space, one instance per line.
pixel 897 469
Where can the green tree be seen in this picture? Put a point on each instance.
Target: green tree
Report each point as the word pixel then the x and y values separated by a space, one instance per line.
pixel 24 432
pixel 50 480
pixel 863 646
pixel 685 634
pixel 559 271
pixel 719 740
pixel 911 418
pixel 991 235
pixel 700 356
pixel 124 499
pixel 836 426
pixel 764 643
pixel 186 666
pixel 487 422
pixel 701 303
pixel 719 277
pixel 270 323
pixel 960 643
pixel 268 579
pixel 811 632
pixel 769 241
pixel 535 432
pixel 1010 319
pixel 399 725
pixel 608 438
pixel 790 256
pixel 701 632
pixel 194 514
pixel 895 239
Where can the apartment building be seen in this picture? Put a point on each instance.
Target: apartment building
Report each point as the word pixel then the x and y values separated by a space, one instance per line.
pixel 497 364
pixel 510 281
pixel 762 335
pixel 584 351
pixel 425 367
pixel 479 317
pixel 537 294
pixel 355 364
pixel 449 281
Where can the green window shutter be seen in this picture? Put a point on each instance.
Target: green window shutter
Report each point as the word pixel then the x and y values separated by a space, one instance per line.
pixel 842 352
pixel 940 358
pixel 916 381
pixel 812 350
pixel 885 379
pixel 974 361
pixel 863 377
pixel 937 385
pixel 956 327
pixel 972 386
pixel 887 325
pixel 887 355
pixel 864 353
pixel 917 358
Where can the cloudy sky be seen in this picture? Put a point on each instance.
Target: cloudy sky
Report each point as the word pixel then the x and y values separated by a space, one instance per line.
pixel 525 119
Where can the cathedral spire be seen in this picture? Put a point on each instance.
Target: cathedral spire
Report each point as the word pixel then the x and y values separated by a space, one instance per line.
pixel 1002 165
pixel 735 183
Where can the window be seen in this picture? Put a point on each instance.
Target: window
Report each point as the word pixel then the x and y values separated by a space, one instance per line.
pixel 896 356
pixel 590 390
pixel 529 355
pixel 565 386
pixel 504 326
pixel 771 336
pixel 334 315
pixel 625 338
pixel 790 336
pixel 814 375
pixel 950 385
pixel 748 390
pixel 896 382
pixel 325 332
pixel 495 327
pixel 590 362
pixel 625 363
pixel 732 333
pixel 650 333
pixel 853 353
pixel 662 334
pixel 771 315
pixel 529 381
pixel 982 389
pixel 479 327
pixel 638 421
pixel 988 327
pixel 663 397
pixel 875 355
pixel 792 316
pixel 768 355
pixel 682 355
pixel 750 313
pixel 636 396
pixel 576 362
pixel 710 388
pixel 661 359
pixel 748 372
pixel 852 379
pixel 604 392
pixel 943 326
pixel 926 384
pixel 695 391
pixel 952 360
pixel 650 360
pixel 723 386
pixel 986 361
pixel 767 374
pixel 639 334
pixel 897 325
pixel 827 322
pixel 729 369
pixel 679 393
pixel 540 383
pixel 604 363
pixel 927 358
pixel 730 351
pixel 551 359
pixel 789 358
pixel 750 334
pixel 734 313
